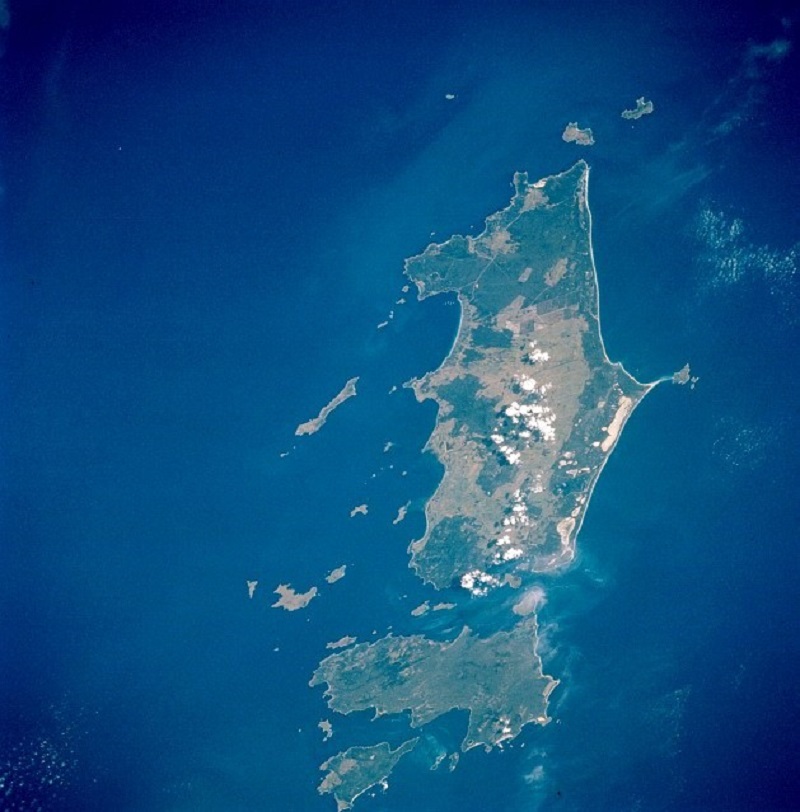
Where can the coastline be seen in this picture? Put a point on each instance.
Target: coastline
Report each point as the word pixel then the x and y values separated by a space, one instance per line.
pixel 647 388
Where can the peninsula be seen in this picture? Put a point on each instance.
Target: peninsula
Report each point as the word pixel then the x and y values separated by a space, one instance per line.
pixel 352 772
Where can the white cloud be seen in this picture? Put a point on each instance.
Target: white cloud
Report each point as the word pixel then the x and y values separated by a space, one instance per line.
pixel 728 257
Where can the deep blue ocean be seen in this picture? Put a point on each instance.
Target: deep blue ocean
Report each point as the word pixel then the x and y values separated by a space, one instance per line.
pixel 205 212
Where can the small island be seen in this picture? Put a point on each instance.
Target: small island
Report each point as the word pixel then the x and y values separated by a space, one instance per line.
pixel 290 600
pixel 359 510
pixel 355 770
pixel 251 588
pixel 422 609
pixel 336 574
pixel 643 108
pixel 314 425
pixel 573 134
pixel 684 376
pixel 426 607
pixel 402 512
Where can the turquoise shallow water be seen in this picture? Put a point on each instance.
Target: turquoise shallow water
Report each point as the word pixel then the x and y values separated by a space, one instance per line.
pixel 205 218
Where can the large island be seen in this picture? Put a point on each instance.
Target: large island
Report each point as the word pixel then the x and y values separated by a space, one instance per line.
pixel 530 407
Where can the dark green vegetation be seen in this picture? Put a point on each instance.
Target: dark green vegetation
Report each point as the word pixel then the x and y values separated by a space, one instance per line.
pixel 497 679
pixel 463 396
pixel 492 338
